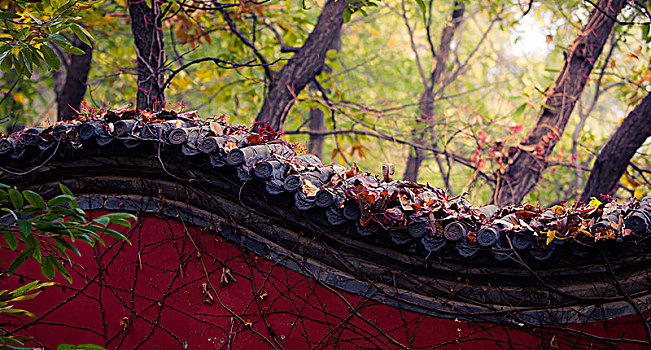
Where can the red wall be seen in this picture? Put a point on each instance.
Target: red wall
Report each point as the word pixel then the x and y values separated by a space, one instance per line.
pixel 156 282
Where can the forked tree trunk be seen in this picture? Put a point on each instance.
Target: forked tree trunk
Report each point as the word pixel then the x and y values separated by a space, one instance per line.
pixel 306 64
pixel 146 27
pixel 427 101
pixel 614 158
pixel 525 167
pixel 71 80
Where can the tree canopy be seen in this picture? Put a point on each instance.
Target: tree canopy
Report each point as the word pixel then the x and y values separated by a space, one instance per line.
pixel 507 100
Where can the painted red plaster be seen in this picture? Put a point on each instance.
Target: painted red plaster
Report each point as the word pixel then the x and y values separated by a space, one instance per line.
pixel 156 282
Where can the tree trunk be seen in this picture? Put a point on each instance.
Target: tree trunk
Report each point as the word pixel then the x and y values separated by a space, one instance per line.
pixel 616 155
pixel 317 123
pixel 317 116
pixel 526 166
pixel 70 81
pixel 146 27
pixel 417 156
pixel 306 64
pixel 427 100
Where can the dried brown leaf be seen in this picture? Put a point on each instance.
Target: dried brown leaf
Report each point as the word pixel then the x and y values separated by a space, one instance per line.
pixel 125 324
pixel 227 276
pixel 308 188
pixel 229 145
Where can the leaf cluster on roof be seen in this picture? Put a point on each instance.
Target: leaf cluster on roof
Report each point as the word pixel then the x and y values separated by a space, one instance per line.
pixel 404 212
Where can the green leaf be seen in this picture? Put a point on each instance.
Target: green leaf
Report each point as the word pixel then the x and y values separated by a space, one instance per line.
pixel 518 112
pixel 6 64
pixel 87 239
pixel 347 13
pixel 32 213
pixel 25 297
pixel 21 34
pixel 66 6
pixel 8 340
pixel 8 15
pixel 93 235
pixel 16 199
pixel 61 249
pixel 26 62
pixel 421 4
pixel 11 240
pixel 82 34
pixel 13 214
pixel 35 57
pixel 62 212
pixel 32 243
pixel 38 21
pixel 73 204
pixel 645 32
pixel 62 243
pixel 19 260
pixel 19 312
pixel 5 51
pixel 102 220
pixel 47 267
pixel 34 285
pixel 18 63
pixel 66 190
pixel 60 200
pixel 121 222
pixel 72 49
pixel 34 199
pixel 117 218
pixel 25 227
pixel 109 232
pixel 59 39
pixel 62 270
pixel 51 58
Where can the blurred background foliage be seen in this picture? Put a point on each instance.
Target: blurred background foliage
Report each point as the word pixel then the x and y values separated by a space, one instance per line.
pixel 503 57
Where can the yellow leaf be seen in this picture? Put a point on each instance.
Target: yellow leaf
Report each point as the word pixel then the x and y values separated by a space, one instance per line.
pixel 558 210
pixel 550 235
pixel 630 181
pixel 594 202
pixel 584 232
